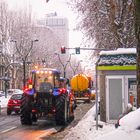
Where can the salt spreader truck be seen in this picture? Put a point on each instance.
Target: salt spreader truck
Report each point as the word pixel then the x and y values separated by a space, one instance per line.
pixel 37 103
pixel 80 87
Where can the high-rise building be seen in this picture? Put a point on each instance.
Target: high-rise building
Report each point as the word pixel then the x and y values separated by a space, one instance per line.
pixel 59 27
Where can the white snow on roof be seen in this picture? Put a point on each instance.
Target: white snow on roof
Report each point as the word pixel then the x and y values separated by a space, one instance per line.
pixel 119 51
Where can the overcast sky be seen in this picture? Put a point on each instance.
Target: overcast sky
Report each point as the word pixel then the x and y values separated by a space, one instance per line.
pixel 40 8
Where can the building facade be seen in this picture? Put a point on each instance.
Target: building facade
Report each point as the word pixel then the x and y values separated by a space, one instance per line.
pixel 59 27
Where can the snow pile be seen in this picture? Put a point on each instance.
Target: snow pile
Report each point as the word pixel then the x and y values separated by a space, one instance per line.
pixel 120 134
pixel 127 130
pixel 4 101
pixel 131 121
pixel 86 128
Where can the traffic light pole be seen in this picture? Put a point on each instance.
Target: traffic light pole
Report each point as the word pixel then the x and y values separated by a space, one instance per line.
pixel 96 88
pixel 85 48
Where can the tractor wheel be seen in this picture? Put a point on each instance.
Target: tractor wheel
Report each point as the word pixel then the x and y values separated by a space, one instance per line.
pixel 25 116
pixel 61 110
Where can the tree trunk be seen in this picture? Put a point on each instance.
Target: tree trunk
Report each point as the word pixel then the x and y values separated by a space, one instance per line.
pixel 137 31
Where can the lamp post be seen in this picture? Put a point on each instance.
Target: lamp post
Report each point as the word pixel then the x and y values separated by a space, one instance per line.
pixel 24 58
pixel 64 65
pixel 24 62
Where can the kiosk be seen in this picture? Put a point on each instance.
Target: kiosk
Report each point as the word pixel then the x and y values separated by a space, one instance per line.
pixel 117 82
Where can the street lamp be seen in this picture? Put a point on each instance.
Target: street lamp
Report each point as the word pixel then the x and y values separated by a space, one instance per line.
pixel 24 58
pixel 24 62
pixel 64 65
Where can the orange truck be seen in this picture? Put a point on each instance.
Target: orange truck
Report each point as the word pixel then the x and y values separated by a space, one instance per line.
pixel 80 87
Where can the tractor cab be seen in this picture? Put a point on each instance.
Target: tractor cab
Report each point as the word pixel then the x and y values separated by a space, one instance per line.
pixel 43 80
pixel 45 75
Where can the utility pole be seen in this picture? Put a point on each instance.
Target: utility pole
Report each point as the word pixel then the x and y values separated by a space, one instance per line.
pixel 137 32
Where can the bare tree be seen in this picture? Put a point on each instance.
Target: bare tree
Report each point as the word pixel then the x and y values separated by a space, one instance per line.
pixel 16 26
pixel 109 22
pixel 5 25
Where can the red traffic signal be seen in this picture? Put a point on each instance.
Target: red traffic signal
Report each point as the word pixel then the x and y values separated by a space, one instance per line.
pixel 63 50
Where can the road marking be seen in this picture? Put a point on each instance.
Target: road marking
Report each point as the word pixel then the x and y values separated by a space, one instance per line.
pixel 9 129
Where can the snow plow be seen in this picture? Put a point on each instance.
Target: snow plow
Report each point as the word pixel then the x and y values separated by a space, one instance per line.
pixel 80 86
pixel 43 98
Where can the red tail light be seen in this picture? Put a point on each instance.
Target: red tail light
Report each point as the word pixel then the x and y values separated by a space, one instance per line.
pixel 30 81
pixel 86 95
pixel 25 89
pixel 62 90
pixel 34 111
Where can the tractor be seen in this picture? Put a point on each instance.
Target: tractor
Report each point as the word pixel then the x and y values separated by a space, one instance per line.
pixel 44 98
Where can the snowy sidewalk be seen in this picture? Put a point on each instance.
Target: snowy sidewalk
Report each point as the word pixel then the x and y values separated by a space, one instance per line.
pixel 86 129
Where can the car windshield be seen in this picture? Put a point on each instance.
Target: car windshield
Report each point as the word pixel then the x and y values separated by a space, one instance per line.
pixel 16 96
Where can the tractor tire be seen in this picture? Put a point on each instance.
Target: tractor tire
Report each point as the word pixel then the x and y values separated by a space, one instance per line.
pixel 61 116
pixel 25 114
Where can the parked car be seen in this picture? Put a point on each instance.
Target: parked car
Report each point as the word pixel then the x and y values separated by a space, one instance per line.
pixel 128 110
pixel 14 103
pixel 13 91
pixel 129 128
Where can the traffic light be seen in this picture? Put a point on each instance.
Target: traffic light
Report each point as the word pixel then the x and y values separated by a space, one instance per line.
pixel 77 50
pixel 63 50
